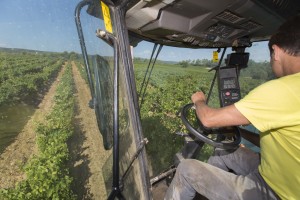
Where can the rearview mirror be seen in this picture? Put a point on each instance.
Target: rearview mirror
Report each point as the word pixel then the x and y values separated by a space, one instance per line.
pixel 103 99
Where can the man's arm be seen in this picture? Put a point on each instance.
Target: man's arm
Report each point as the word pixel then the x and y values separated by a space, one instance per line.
pixel 217 117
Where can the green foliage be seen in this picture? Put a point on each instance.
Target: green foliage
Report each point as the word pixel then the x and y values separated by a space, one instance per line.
pixel 197 62
pixel 80 66
pixel 184 63
pixel 254 75
pixel 170 88
pixel 24 74
pixel 258 70
pixel 47 173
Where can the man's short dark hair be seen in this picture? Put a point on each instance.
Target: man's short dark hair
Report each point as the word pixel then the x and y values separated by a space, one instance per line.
pixel 288 37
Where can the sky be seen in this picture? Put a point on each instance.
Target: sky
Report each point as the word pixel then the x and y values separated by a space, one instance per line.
pixel 38 24
pixel 49 25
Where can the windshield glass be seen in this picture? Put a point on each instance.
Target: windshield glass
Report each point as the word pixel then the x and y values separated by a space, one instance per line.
pixel 177 74
pixel 48 132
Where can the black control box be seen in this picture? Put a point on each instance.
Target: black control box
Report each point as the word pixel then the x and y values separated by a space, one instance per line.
pixel 229 89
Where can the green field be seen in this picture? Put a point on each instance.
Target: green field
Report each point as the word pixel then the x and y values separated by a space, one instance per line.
pixel 47 174
pixel 170 87
pixel 26 73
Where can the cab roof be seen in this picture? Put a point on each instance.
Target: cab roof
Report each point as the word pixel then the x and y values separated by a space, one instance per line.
pixel 207 23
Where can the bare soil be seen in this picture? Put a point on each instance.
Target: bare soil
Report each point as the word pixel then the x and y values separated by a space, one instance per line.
pixel 86 148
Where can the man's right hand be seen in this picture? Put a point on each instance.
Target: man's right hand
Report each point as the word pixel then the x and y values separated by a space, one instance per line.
pixel 198 97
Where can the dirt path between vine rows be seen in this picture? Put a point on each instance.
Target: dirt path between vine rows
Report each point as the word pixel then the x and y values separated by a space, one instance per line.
pixel 88 154
pixel 86 148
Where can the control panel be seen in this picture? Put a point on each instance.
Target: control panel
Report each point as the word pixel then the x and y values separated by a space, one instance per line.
pixel 229 89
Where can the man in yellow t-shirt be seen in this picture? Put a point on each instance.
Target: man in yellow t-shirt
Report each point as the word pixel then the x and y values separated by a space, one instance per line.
pixel 276 114
pixel 274 109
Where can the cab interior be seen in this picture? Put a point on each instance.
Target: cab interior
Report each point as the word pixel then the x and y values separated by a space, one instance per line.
pixel 186 24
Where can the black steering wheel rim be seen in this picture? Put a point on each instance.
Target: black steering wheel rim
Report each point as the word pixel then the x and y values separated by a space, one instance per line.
pixel 224 145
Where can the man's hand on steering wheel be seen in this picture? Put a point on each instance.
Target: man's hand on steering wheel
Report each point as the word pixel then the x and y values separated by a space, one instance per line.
pixel 198 97
pixel 199 102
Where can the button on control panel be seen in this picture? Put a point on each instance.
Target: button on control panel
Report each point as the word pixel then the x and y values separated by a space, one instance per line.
pixel 230 97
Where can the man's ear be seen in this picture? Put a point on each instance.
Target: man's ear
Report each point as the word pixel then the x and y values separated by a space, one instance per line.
pixel 277 52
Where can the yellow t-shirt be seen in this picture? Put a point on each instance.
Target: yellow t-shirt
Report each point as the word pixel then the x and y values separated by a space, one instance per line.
pixel 274 109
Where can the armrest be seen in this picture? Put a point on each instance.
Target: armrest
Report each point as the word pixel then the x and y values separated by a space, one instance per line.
pixel 250 136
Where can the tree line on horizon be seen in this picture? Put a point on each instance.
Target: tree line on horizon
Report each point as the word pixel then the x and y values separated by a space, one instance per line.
pixel 256 69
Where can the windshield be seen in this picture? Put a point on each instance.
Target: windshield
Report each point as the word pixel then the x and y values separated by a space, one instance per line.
pixel 48 132
pixel 177 74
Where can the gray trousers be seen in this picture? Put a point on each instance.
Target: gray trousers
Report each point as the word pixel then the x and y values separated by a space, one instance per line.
pixel 229 175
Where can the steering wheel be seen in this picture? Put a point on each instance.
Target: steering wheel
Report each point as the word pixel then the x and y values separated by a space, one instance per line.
pixel 203 132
